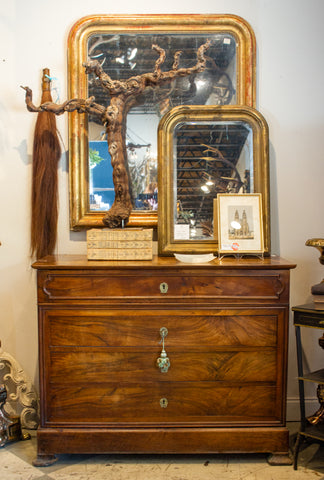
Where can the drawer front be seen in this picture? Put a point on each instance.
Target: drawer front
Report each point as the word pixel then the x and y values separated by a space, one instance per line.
pixel 141 328
pixel 160 403
pixel 156 286
pixel 99 365
pixel 307 319
pixel 83 367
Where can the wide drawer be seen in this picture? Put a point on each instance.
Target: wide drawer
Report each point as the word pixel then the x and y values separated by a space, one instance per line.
pixel 159 403
pixel 80 365
pixel 156 286
pixel 186 328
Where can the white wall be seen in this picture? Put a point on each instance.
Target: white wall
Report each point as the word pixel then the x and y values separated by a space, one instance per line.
pixel 290 80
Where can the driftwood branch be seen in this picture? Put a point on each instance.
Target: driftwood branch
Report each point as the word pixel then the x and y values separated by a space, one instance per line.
pixel 76 104
pixel 220 157
pixel 136 85
pixel 123 95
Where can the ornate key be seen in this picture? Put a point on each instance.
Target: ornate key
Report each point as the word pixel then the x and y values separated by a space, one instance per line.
pixel 163 361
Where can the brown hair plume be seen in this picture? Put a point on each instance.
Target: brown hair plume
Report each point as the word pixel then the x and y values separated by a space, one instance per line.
pixel 46 155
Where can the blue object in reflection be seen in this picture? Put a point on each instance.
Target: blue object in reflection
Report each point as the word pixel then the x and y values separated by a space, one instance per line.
pixel 102 179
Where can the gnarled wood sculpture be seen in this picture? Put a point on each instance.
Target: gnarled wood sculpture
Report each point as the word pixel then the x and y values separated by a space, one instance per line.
pixel 123 94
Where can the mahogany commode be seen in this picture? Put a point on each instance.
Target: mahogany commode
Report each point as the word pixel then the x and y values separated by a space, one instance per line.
pixel 102 388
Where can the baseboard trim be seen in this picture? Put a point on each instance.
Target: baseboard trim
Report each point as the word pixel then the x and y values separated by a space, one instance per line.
pixel 293 409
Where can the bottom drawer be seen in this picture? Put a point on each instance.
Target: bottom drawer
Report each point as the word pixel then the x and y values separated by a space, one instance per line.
pixel 160 402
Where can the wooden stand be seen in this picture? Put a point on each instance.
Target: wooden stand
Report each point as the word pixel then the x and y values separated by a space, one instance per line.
pixel 311 428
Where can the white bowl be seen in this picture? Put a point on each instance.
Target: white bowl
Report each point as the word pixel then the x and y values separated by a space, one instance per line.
pixel 194 258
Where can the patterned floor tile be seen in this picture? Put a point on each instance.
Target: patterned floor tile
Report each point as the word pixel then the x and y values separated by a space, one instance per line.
pixel 13 468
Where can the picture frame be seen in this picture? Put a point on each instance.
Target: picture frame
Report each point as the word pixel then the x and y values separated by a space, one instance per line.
pixel 102 31
pixel 240 229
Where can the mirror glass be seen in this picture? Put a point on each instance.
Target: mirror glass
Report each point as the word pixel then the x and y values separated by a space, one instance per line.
pixel 205 151
pixel 123 46
pixel 209 158
pixel 123 56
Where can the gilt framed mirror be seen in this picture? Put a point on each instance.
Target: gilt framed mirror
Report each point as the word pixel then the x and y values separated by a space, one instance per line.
pixel 205 151
pixel 123 46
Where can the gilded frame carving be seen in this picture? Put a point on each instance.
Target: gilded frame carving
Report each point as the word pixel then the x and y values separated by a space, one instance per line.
pixel 80 214
pixel 167 245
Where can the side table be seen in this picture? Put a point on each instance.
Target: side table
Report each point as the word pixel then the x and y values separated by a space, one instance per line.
pixel 313 427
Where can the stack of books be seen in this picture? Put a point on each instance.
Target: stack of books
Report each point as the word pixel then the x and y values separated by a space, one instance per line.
pixel 318 295
pixel 120 244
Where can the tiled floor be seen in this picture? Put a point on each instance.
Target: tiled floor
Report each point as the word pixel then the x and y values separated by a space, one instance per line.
pixel 16 464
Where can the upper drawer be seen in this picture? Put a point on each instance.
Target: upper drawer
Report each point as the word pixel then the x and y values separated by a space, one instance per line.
pixel 212 286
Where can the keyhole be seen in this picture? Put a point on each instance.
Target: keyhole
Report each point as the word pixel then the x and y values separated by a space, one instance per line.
pixel 164 402
pixel 163 287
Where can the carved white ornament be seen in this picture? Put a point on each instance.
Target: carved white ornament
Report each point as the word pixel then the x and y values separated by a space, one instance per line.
pixel 22 398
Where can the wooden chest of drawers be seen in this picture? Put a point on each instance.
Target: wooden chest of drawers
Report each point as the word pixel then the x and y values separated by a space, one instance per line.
pixel 100 337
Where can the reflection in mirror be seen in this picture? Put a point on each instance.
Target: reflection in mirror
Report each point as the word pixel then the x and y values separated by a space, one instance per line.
pixel 209 158
pixel 101 186
pixel 123 46
pixel 125 55
pixel 205 151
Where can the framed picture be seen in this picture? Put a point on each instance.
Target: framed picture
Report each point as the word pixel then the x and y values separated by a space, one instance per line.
pixel 240 228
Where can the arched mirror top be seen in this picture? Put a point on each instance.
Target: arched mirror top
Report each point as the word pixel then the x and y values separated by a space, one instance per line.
pixel 204 152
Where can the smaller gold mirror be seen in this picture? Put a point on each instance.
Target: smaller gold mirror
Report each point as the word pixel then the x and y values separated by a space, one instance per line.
pixel 204 151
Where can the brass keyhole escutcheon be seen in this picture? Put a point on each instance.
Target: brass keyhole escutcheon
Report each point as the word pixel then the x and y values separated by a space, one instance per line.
pixel 163 402
pixel 164 287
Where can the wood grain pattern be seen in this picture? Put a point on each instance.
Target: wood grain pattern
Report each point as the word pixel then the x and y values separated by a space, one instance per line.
pixel 164 440
pixel 134 284
pixel 118 402
pixel 99 338
pixel 84 366
pixel 142 327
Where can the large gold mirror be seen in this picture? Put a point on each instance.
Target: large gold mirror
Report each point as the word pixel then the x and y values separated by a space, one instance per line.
pixel 123 46
pixel 205 151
